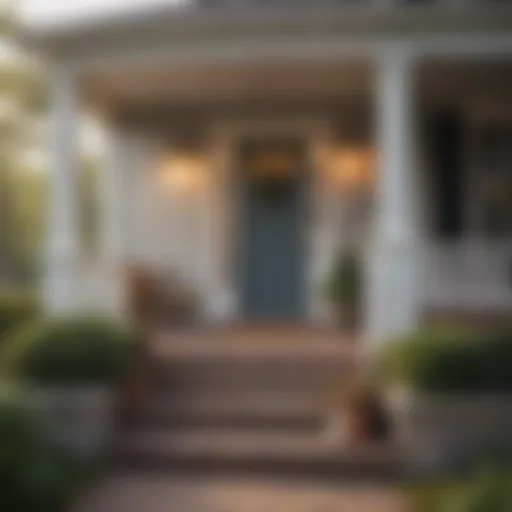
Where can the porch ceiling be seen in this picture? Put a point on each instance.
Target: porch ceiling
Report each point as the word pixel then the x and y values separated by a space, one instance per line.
pixel 320 80
pixel 474 74
pixel 209 82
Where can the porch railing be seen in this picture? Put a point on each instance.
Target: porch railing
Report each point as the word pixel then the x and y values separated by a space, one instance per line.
pixel 470 274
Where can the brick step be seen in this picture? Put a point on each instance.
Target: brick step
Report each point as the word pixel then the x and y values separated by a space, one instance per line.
pixel 270 410
pixel 251 451
pixel 265 374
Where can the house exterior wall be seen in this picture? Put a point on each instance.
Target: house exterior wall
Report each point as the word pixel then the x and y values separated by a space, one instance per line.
pixel 166 230
pixel 474 271
pixel 200 253
pixel 191 234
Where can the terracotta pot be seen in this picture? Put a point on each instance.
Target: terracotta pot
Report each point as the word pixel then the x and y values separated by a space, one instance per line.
pixel 358 425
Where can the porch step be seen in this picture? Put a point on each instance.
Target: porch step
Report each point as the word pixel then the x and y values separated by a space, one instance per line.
pixel 254 408
pixel 252 451
pixel 263 410
pixel 249 374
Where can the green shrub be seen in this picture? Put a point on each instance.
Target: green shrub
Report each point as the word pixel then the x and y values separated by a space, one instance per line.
pixel 16 308
pixel 494 356
pixel 31 475
pixel 487 491
pixel 343 289
pixel 344 283
pixel 71 351
pixel 450 359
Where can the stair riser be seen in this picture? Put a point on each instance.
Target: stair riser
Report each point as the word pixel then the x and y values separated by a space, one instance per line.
pixel 242 367
pixel 309 423
pixel 250 377
pixel 237 393
pixel 294 409
pixel 345 468
pixel 243 416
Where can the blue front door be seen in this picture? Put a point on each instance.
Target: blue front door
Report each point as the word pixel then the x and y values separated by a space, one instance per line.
pixel 273 182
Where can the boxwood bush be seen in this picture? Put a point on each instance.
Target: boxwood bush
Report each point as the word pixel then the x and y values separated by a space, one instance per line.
pixel 33 477
pixel 69 351
pixel 451 360
pixel 344 284
pixel 17 307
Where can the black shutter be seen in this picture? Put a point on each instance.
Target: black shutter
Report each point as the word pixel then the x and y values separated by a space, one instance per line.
pixel 446 136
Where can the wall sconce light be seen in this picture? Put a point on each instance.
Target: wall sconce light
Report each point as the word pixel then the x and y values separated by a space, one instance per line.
pixel 351 167
pixel 183 172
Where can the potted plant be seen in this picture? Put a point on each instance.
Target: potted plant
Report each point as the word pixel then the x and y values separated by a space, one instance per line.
pixel 72 369
pixel 359 415
pixel 179 305
pixel 450 394
pixel 344 289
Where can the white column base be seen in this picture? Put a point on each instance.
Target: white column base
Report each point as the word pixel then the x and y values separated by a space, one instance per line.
pixel 393 305
pixel 61 293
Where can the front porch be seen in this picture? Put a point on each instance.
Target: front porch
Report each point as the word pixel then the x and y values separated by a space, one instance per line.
pixel 173 202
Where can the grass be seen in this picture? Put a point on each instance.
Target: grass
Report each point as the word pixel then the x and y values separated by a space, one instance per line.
pixel 487 490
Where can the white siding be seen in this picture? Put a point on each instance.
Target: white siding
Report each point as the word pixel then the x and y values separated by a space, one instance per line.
pixel 165 229
pixel 193 234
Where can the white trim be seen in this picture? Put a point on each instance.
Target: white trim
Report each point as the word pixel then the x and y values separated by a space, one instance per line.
pixel 249 14
pixel 161 52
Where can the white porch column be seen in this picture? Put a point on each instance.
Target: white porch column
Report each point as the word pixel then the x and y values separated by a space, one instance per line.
pixel 62 263
pixel 112 192
pixel 393 287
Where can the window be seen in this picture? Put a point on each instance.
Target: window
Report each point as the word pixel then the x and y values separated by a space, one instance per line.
pixel 495 178
pixel 447 138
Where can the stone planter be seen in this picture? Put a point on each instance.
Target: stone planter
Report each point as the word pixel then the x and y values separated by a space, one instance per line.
pixel 80 419
pixel 442 431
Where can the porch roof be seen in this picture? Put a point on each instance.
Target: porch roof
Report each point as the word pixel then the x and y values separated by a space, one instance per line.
pixel 206 18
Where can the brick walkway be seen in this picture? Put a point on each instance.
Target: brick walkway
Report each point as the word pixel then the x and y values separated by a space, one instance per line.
pixel 166 493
